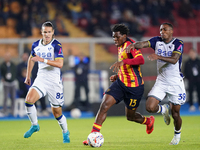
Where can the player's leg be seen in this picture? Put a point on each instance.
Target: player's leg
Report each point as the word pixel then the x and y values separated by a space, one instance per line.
pixel 155 96
pixel 31 111
pixel 177 124
pixel 153 106
pixel 62 121
pixel 108 101
pixel 132 115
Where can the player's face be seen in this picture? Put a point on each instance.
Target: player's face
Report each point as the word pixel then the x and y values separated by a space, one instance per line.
pixel 166 33
pixel 47 33
pixel 118 38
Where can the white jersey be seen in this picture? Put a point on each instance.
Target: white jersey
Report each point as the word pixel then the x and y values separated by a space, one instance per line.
pixel 48 80
pixel 168 73
pixel 51 51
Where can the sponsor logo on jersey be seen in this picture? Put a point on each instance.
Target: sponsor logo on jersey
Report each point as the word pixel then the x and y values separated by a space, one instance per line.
pixel 60 52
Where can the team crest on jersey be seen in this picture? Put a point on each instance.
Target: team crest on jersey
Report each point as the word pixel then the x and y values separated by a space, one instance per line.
pixel 108 90
pixel 49 48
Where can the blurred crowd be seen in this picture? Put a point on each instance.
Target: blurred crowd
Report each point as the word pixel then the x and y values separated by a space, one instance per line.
pixel 95 16
pixel 26 16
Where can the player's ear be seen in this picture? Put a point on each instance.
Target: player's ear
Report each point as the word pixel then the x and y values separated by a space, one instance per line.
pixel 124 35
pixel 172 31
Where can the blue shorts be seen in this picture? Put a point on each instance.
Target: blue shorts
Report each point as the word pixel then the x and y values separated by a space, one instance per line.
pixel 130 95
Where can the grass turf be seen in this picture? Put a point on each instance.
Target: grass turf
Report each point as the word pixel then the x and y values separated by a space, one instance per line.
pixel 119 134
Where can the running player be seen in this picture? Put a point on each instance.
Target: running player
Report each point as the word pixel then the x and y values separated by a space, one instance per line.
pixel 128 85
pixel 169 82
pixel 48 53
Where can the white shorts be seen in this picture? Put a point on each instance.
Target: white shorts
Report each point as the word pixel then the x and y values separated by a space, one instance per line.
pixel 174 93
pixel 53 90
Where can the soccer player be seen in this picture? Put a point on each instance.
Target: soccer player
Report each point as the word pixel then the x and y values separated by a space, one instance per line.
pixel 127 86
pixel 169 82
pixel 48 53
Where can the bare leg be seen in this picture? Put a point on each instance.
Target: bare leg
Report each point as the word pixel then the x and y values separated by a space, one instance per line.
pixel 107 102
pixel 177 124
pixel 176 116
pixel 152 105
pixel 57 112
pixel 132 115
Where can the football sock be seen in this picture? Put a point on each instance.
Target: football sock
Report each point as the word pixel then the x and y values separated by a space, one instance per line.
pixel 161 109
pixel 62 121
pixel 177 134
pixel 96 127
pixel 146 121
pixel 31 112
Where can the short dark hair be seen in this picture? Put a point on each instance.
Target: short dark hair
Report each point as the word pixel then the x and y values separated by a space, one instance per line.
pixel 122 28
pixel 47 24
pixel 169 24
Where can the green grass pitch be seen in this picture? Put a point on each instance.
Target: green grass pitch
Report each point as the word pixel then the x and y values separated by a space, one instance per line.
pixel 119 134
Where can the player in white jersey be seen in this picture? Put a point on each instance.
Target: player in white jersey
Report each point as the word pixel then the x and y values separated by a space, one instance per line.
pixel 169 82
pixel 48 53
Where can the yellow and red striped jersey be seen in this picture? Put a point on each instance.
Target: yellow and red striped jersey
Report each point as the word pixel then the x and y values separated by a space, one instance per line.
pixel 130 75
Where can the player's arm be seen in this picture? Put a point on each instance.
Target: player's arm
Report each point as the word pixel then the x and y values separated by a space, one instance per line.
pixel 58 62
pixel 137 45
pixel 137 60
pixel 173 59
pixel 30 65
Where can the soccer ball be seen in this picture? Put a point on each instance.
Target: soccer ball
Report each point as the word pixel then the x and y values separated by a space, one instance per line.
pixel 95 139
pixel 75 113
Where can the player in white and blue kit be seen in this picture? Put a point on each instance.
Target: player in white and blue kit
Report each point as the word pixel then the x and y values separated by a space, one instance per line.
pixel 169 82
pixel 48 53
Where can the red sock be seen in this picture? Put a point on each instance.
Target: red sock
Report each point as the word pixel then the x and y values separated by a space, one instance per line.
pixel 96 127
pixel 146 120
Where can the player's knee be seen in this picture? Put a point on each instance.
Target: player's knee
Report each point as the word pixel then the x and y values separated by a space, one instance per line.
pixel 29 99
pixel 104 107
pixel 175 116
pixel 150 108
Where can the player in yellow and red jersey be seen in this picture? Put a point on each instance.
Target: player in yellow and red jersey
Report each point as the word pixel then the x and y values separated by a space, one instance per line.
pixel 127 85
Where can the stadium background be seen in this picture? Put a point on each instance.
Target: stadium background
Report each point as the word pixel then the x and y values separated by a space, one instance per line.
pixel 84 26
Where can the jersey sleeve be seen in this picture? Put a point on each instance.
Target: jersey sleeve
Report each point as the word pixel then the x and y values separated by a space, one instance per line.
pixel 58 53
pixel 136 52
pixel 33 47
pixel 152 42
pixel 178 47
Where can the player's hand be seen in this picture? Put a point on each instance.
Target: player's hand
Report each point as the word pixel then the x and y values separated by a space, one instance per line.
pixel 27 81
pixel 113 78
pixel 129 48
pixel 153 57
pixel 37 58
pixel 116 66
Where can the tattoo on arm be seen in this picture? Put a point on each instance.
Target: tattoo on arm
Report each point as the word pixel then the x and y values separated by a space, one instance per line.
pixel 143 44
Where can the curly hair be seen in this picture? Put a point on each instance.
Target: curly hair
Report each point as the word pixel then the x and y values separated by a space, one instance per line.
pixel 122 28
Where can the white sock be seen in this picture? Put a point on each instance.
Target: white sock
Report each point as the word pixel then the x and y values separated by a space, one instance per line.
pixel 32 114
pixel 62 121
pixel 177 134
pixel 161 109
